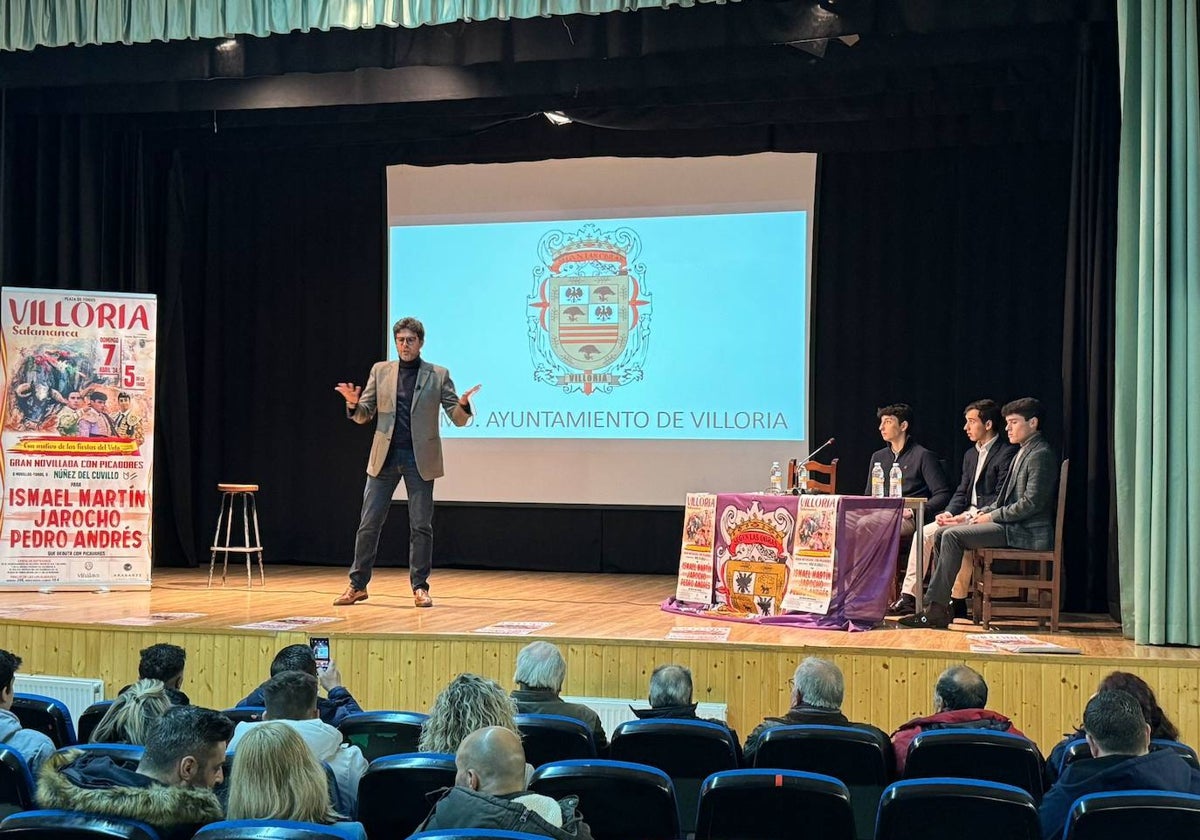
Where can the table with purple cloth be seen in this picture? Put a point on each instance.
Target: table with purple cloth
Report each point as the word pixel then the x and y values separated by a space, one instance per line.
pixel 824 562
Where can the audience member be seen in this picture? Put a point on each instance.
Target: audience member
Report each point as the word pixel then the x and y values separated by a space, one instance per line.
pixel 817 692
pixel 671 697
pixel 291 698
pixel 468 703
pixel 959 701
pixel 334 707
pixel 539 676
pixel 1022 516
pixel 1119 738
pixel 171 789
pixel 1160 724
pixel 984 468
pixel 276 777
pixel 489 793
pixel 165 663
pixel 35 746
pixel 132 716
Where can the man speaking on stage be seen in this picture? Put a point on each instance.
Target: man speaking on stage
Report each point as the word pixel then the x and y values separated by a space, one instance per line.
pixel 403 396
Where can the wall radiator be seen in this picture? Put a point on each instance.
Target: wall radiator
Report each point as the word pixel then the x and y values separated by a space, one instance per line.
pixel 614 712
pixel 75 692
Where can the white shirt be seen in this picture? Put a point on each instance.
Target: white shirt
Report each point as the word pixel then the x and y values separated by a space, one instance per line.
pixel 982 449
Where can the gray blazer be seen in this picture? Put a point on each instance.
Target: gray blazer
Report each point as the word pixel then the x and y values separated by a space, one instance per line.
pixel 1026 504
pixel 434 388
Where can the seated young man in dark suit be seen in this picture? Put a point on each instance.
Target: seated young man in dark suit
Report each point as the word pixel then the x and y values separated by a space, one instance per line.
pixel 985 466
pixel 923 474
pixel 1021 517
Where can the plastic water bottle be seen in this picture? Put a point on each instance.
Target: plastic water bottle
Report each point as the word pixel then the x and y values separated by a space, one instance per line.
pixel 776 478
pixel 896 481
pixel 802 479
pixel 877 480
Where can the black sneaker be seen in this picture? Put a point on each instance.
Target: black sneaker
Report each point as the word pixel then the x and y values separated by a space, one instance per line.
pixel 936 616
pixel 904 605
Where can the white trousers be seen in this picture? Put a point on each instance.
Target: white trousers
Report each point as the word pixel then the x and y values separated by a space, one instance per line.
pixel 962 583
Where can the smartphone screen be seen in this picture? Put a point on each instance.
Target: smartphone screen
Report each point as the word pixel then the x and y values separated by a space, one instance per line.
pixel 320 649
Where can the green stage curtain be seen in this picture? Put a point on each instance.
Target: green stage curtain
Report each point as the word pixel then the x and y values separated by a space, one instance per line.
pixel 25 24
pixel 1157 414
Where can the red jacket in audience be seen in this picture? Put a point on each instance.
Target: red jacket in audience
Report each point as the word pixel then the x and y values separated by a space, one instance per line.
pixel 903 737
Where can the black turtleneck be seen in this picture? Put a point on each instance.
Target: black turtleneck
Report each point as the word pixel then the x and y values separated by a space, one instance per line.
pixel 406 386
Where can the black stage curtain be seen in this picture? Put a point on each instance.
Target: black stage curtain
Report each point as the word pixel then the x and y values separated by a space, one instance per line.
pixel 938 281
pixel 1092 581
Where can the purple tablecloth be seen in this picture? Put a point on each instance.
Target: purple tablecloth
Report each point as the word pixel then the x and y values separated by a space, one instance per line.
pixel 868 536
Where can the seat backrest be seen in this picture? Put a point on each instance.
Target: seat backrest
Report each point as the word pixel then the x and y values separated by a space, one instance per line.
pixel 45 714
pixel 816 468
pixel 1076 749
pixel 766 805
pixel 686 750
pixel 73 825
pixel 555 738
pixel 1139 813
pixel 475 834
pixel 618 800
pixel 680 748
pixel 977 754
pixel 91 716
pixel 394 794
pixel 245 714
pixel 16 782
pixel 917 809
pixel 126 755
pixel 270 830
pixel 1182 750
pixel 856 756
pixel 1060 516
pixel 383 733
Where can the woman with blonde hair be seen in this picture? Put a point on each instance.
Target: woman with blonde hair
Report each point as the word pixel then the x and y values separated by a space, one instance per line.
pixel 468 703
pixel 133 714
pixel 275 776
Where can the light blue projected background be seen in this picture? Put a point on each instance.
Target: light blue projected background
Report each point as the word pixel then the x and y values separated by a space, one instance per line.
pixel 726 355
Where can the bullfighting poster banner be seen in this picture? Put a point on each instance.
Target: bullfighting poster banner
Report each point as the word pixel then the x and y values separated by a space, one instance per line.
pixel 78 439
pixel 754 555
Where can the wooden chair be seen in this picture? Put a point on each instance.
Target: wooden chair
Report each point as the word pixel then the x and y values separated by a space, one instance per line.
pixel 816 485
pixel 1037 579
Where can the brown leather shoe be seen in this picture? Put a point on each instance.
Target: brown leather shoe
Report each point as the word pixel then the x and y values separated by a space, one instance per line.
pixel 350 596
pixel 421 598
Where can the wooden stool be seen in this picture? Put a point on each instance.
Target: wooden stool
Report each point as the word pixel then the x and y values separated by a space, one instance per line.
pixel 229 493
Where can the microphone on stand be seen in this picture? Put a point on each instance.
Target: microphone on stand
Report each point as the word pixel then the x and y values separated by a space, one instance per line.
pixel 797 489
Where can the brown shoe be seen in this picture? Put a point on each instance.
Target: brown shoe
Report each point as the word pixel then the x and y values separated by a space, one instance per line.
pixel 350 596
pixel 421 598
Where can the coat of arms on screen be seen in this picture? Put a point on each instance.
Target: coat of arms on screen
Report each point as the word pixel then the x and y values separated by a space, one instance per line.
pixel 589 314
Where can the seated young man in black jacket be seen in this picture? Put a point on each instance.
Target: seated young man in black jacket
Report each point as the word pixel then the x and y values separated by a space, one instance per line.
pixel 489 792
pixel 1119 737
pixel 171 790
pixel 332 708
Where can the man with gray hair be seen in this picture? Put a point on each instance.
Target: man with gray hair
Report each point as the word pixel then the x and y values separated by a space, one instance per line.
pixel 671 697
pixel 539 676
pixel 489 793
pixel 1119 738
pixel 817 691
pixel 959 698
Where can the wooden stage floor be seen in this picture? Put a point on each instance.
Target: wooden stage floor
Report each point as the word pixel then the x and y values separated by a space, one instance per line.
pixel 393 655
